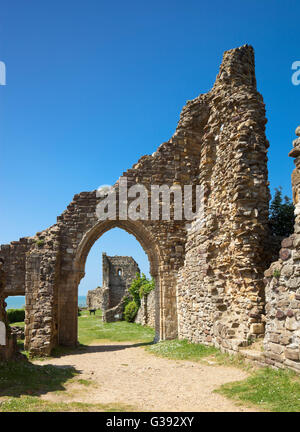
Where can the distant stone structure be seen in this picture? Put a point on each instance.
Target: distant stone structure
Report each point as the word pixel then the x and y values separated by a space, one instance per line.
pixel 118 273
pixel 94 298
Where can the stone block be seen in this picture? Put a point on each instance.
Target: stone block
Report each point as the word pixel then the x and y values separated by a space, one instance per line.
pixel 257 328
pixel 292 354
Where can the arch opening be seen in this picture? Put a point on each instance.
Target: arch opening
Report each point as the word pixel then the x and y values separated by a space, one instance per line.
pixel 68 290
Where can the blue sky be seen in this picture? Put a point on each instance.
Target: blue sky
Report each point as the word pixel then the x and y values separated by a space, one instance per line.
pixel 93 85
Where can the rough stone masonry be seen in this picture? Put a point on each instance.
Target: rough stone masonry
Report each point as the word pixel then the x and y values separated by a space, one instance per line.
pixel 118 273
pixel 8 343
pixel 282 337
pixel 208 275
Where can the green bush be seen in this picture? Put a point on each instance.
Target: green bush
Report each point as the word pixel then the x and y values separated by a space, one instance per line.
pixel 147 286
pixel 15 315
pixel 40 243
pixel 130 311
pixel 139 287
pixel 134 289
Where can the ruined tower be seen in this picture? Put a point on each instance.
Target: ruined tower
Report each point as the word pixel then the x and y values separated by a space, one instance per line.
pixel 118 273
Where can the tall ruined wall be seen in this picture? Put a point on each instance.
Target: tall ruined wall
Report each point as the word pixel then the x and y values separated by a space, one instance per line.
pixel 41 292
pixel 31 267
pixel 282 336
pixel 220 288
pixel 118 273
pixel 121 271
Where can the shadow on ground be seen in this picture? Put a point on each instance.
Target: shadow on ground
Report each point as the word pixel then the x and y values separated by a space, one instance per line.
pixel 84 349
pixel 22 377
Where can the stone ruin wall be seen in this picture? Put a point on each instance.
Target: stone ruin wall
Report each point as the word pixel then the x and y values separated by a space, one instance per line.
pixel 146 312
pixel 94 298
pixel 8 343
pixel 14 256
pixel 220 287
pixel 118 285
pixel 282 279
pixel 114 286
pixel 210 276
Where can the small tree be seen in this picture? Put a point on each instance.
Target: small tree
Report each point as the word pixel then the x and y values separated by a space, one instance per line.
pixel 139 287
pixel 281 217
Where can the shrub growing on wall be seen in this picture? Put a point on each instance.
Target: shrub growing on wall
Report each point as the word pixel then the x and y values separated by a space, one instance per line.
pixel 139 287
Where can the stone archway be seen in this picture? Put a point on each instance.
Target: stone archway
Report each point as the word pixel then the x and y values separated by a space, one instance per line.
pixel 211 287
pixel 67 305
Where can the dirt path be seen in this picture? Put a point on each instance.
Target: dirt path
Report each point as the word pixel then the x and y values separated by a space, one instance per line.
pixel 125 373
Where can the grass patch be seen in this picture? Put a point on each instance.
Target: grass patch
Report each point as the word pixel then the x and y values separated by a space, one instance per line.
pixel 18 324
pixel 35 404
pixel 92 328
pixel 272 390
pixel 84 382
pixel 181 350
pixel 22 377
pixel 225 359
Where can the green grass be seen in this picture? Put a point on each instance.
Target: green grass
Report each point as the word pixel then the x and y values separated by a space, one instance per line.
pixel 35 404
pixel 85 382
pixel 91 328
pixel 271 390
pixel 18 324
pixel 21 383
pixel 181 350
pixel 23 377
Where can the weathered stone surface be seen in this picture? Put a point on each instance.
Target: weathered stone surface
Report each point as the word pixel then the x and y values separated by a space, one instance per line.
pixel 8 343
pixel 146 312
pixel 94 298
pixel 282 305
pixel 284 254
pixel 234 227
pixel 292 354
pixel 287 242
pixel 118 273
pixel 257 328
pixel 18 331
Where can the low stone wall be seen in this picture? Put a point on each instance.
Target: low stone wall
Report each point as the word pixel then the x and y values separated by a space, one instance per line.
pixel 146 312
pixel 282 292
pixel 114 314
pixel 18 331
pixel 282 337
pixel 94 298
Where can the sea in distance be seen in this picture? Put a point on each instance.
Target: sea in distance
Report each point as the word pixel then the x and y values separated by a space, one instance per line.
pixel 17 302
